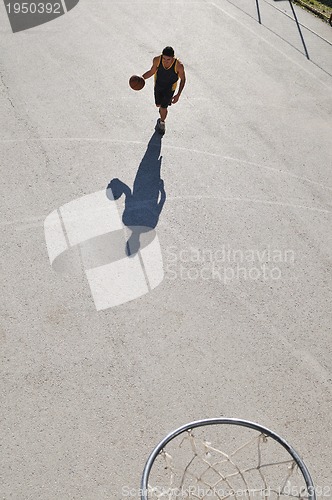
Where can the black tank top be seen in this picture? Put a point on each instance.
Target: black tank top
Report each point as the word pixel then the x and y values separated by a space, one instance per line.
pixel 166 78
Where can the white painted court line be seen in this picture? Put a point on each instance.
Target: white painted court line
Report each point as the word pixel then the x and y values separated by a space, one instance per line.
pixel 180 148
pixel 37 222
pixel 250 200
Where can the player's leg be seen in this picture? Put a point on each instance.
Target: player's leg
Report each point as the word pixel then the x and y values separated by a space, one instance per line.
pixel 163 114
pixel 166 100
pixel 157 100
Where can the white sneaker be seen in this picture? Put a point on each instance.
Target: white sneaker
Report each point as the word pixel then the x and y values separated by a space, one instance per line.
pixel 161 126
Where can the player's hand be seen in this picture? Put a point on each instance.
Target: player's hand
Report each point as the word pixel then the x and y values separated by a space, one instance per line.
pixel 175 99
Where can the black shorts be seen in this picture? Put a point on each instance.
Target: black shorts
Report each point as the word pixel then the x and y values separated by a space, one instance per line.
pixel 163 97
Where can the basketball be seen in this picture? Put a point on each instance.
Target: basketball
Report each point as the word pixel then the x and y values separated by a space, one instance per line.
pixel 136 82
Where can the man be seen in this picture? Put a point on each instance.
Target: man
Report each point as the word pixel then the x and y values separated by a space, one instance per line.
pixel 167 70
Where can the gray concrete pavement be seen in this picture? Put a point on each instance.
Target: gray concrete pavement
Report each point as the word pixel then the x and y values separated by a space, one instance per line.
pixel 246 163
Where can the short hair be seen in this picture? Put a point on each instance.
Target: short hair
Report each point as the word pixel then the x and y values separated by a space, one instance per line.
pixel 168 51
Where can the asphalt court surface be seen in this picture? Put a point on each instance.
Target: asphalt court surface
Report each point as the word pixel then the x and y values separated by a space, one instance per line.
pixel 246 165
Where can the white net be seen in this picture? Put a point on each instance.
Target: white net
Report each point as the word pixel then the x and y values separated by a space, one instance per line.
pixel 242 465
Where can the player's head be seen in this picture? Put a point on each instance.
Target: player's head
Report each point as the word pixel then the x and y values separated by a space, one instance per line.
pixel 168 52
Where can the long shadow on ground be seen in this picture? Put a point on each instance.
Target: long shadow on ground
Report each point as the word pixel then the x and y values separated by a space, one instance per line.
pixel 145 202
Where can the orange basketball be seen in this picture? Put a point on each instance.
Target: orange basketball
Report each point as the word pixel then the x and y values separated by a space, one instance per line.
pixel 136 82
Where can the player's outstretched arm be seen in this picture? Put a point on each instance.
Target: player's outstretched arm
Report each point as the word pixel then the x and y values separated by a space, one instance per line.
pixel 153 69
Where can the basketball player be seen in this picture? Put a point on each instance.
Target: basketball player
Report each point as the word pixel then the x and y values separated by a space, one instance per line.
pixel 167 70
